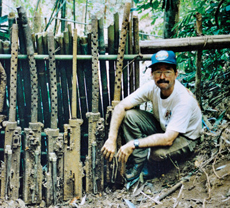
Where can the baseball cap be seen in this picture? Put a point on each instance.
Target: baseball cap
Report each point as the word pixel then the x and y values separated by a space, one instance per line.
pixel 163 57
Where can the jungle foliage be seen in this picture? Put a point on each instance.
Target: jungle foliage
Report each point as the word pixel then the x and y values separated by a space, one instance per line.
pixel 215 21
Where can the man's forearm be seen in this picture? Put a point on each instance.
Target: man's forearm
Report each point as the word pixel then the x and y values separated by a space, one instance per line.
pixel 161 139
pixel 117 117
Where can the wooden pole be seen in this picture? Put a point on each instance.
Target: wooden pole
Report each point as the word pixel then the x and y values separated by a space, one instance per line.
pixel 125 74
pixel 37 22
pixel 42 80
pixel 63 15
pixel 198 61
pixel 185 44
pixel 116 32
pixel 24 72
pixel 68 64
pixel 64 86
pixel 105 98
pixel 136 50
pixel 111 63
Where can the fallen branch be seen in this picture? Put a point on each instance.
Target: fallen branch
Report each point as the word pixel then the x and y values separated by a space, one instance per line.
pixel 155 200
pixel 171 190
pixel 219 152
pixel 178 197
pixel 208 185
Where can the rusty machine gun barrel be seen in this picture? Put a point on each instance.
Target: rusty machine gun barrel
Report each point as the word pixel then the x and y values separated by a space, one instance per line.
pixel 55 139
pixel 113 168
pixel 32 180
pixel 10 170
pixel 73 170
pixel 94 160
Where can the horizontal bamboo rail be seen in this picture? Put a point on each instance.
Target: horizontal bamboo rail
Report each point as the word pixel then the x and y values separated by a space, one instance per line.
pixel 81 57
pixel 185 44
pixel 150 47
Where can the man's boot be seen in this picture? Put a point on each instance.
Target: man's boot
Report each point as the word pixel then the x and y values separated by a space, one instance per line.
pixel 134 172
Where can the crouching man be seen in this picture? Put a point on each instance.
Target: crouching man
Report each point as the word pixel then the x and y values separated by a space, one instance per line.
pixel 170 130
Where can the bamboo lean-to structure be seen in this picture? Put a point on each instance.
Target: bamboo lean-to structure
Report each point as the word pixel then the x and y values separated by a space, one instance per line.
pixel 55 105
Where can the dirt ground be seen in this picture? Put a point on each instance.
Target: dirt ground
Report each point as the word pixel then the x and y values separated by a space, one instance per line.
pixel 202 180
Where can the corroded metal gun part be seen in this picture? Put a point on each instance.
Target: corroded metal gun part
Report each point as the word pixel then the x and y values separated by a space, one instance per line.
pixel 73 168
pixel 10 170
pixel 115 170
pixel 53 136
pixel 120 57
pixel 10 175
pixel 32 180
pixel 94 162
pixel 32 63
pixel 90 162
pixel 32 183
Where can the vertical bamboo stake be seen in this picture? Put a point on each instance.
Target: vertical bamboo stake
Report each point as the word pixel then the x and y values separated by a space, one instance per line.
pixel 121 51
pixel 130 41
pixel 6 50
pixel 69 27
pixel 81 81
pixel 59 91
pixel 64 85
pixel 11 21
pixel 74 80
pixel 136 50
pixel 111 63
pixel 125 74
pixel 198 61
pixel 89 75
pixel 20 98
pixel 24 72
pixel 105 99
pixel 116 32
pixel 2 92
pixel 42 80
pixel 37 22
pixel 39 62
pixel 2 87
pixel 63 15
pixel 68 64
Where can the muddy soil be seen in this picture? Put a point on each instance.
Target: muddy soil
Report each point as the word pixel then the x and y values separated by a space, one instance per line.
pixel 202 179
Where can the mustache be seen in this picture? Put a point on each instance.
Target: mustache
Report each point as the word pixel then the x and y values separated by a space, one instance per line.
pixel 162 81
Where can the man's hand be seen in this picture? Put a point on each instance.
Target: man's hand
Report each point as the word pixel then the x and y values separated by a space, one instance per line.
pixel 108 150
pixel 125 151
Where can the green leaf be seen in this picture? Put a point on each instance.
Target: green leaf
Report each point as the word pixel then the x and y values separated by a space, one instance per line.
pixel 219 119
pixel 155 4
pixel 4 36
pixel 3 19
pixel 228 8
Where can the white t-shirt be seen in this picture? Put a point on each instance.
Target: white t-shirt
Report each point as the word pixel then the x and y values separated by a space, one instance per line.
pixel 179 112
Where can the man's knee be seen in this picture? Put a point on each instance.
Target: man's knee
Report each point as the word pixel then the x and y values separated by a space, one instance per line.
pixel 130 118
pixel 130 114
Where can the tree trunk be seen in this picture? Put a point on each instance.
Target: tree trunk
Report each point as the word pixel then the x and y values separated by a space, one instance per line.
pixel 171 17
